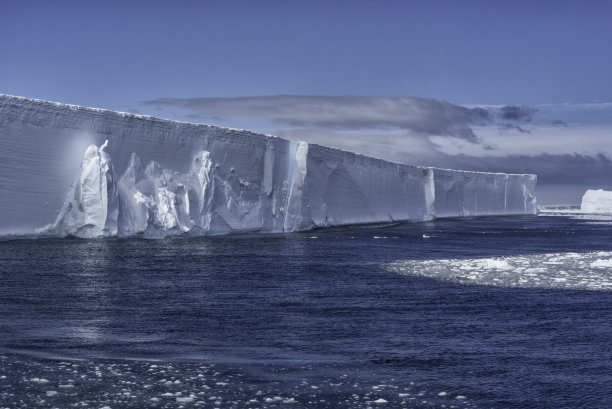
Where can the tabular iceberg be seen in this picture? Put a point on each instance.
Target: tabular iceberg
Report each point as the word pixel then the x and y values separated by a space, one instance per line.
pixel 596 201
pixel 69 170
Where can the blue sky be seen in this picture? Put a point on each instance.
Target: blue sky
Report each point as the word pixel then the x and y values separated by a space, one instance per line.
pixel 427 82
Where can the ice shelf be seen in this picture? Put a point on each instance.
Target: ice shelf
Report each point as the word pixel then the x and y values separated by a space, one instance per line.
pixel 69 170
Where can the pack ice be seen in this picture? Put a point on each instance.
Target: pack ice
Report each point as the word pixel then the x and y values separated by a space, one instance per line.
pixel 596 201
pixel 67 170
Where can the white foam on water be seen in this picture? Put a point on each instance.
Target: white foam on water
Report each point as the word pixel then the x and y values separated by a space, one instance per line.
pixel 586 271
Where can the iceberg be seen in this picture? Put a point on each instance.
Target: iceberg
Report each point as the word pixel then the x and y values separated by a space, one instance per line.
pixel 596 201
pixel 67 170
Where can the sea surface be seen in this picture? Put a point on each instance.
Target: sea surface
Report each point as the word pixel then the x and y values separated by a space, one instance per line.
pixel 511 312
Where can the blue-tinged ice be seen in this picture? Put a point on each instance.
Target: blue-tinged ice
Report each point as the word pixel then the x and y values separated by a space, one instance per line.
pixel 69 170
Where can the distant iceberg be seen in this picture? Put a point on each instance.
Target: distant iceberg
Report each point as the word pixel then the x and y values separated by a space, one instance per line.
pixel 67 170
pixel 596 201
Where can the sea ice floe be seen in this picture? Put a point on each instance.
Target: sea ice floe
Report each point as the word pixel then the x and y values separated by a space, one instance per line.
pixel 186 399
pixel 589 271
pixel 381 400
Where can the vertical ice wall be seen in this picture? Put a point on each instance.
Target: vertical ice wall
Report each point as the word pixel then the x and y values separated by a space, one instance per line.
pixel 156 178
pixel 461 193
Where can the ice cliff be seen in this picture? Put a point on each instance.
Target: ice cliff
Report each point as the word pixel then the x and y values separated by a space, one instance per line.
pixel 69 170
pixel 596 201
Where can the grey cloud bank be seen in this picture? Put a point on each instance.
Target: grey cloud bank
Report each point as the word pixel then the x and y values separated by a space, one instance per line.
pixel 517 113
pixel 418 115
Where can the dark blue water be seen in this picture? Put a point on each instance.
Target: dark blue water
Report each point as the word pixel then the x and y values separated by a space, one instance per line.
pixel 303 320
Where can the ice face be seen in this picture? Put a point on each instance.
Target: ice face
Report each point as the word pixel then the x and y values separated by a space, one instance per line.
pixel 133 204
pixel 596 201
pixel 157 178
pixel 91 208
pixel 460 193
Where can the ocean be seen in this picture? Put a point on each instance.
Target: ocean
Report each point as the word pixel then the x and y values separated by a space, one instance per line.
pixel 508 312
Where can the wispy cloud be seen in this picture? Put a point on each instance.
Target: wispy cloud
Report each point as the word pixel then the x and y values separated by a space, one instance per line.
pixel 558 122
pixel 508 128
pixel 570 168
pixel 419 115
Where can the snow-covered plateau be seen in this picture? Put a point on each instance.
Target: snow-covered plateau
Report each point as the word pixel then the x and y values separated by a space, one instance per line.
pixel 596 201
pixel 67 170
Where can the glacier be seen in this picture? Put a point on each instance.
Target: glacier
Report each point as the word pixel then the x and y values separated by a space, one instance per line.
pixel 67 170
pixel 596 201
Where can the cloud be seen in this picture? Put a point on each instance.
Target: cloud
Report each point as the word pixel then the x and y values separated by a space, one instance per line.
pixel 570 168
pixel 517 113
pixel 418 115
pixel 507 128
pixel 558 122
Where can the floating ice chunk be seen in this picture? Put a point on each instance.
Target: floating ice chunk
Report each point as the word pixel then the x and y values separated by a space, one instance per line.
pixel 495 264
pixel 185 399
pixel 381 401
pixel 602 263
pixel 596 201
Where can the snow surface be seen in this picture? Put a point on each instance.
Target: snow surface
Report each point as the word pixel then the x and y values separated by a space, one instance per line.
pixel 596 201
pixel 69 170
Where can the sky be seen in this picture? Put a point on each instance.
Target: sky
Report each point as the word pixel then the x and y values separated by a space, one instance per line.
pixel 520 87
